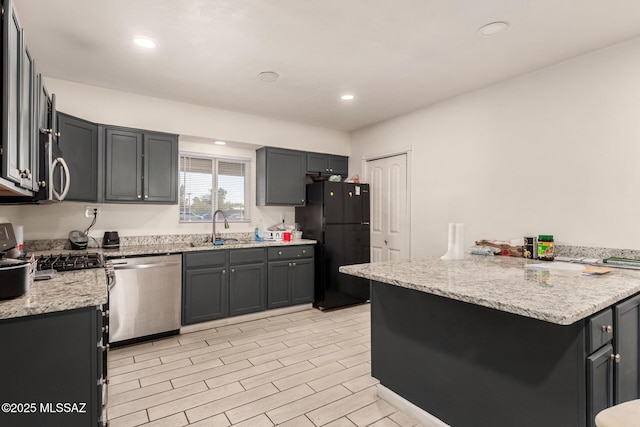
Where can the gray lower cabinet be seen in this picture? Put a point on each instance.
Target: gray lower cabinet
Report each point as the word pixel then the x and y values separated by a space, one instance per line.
pixel 79 143
pixel 52 374
pixel 290 274
pixel 248 281
pixel 613 369
pixel 140 166
pixel 205 286
pixel 280 177
pixel 222 283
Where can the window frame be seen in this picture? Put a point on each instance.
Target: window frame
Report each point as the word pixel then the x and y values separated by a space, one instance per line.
pixel 215 159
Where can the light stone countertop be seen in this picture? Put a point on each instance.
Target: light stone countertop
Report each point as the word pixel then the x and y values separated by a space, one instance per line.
pixel 86 288
pixel 67 291
pixel 561 295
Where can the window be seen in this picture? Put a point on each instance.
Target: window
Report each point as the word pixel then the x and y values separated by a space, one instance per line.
pixel 200 175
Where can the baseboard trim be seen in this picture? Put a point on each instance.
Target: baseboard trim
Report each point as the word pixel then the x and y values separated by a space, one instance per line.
pixel 402 404
pixel 244 318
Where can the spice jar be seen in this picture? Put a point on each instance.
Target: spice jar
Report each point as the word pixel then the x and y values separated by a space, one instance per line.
pixel 545 247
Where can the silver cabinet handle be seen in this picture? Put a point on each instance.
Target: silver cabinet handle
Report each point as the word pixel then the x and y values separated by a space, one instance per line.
pixel 126 266
pixel 607 329
pixel 293 264
pixel 279 252
pixel 139 196
pixel 146 196
pixel 224 271
pixel 233 270
pixel 616 358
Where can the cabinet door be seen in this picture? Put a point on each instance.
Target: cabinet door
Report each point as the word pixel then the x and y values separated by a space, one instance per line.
pixel 123 174
pixel 247 286
pixel 79 144
pixel 27 141
pixel 627 344
pixel 160 168
pixel 11 94
pixel 206 295
pixel 599 382
pixel 283 180
pixel 302 281
pixel 339 165
pixel 317 163
pixel 278 283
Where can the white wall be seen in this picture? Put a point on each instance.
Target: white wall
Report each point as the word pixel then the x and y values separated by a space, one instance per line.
pixel 552 152
pixel 198 127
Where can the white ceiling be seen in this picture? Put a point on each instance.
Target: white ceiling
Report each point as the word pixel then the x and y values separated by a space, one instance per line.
pixel 394 55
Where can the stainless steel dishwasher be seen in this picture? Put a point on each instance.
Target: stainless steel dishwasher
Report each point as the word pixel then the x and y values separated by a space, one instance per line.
pixel 145 297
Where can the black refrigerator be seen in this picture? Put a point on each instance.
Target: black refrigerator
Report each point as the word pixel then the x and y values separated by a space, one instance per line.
pixel 336 214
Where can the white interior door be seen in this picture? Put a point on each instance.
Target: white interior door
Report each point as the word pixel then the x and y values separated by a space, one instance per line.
pixel 390 225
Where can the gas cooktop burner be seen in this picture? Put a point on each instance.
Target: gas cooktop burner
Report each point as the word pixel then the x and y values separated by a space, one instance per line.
pixel 67 262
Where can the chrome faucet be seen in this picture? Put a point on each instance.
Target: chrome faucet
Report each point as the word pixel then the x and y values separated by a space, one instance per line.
pixel 214 236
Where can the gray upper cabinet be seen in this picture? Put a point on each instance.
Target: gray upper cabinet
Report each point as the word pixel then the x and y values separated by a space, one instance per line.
pixel 327 164
pixel 19 111
pixel 140 166
pixel 79 143
pixel 280 177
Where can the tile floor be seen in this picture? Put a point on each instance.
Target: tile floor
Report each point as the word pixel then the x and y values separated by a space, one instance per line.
pixel 302 369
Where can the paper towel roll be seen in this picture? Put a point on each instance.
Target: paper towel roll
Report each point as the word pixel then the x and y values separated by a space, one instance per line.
pixel 18 230
pixel 455 242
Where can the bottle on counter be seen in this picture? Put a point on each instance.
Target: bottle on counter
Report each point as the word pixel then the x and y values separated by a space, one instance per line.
pixel 545 247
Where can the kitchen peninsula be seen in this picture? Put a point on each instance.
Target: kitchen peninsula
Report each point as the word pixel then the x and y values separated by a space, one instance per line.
pixel 486 341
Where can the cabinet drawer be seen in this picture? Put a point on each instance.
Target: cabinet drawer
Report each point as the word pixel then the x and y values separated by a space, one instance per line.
pixel 205 258
pixel 244 256
pixel 284 252
pixel 600 330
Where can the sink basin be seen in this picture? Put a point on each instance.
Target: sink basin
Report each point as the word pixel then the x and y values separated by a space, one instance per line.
pixel 221 241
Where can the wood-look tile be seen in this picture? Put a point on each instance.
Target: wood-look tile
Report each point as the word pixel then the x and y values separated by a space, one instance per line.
pixel 300 421
pixel 140 373
pixel 276 374
pixel 114 389
pixel 256 372
pixel 371 413
pixel 259 421
pixel 130 420
pixel 338 355
pixel 180 405
pixel 307 376
pixel 362 382
pixel 123 369
pixel 182 352
pixel 176 420
pixel 243 374
pixel 306 355
pixel 265 404
pixel 339 377
pixel 144 403
pixel 286 351
pixel 404 420
pixel 343 407
pixel 168 351
pixel 212 352
pixel 245 355
pixel 139 393
pixel 207 374
pixel 179 372
pixel 219 406
pixel 219 420
pixel 307 404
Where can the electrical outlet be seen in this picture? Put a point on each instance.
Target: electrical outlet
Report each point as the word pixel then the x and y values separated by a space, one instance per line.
pixel 88 211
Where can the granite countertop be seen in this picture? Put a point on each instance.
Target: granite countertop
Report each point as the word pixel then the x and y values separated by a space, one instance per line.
pixel 561 294
pixel 86 288
pixel 67 291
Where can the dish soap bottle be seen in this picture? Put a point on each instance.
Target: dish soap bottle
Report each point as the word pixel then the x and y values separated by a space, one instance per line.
pixel 258 232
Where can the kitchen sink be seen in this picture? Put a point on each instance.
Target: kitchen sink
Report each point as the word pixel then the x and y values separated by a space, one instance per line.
pixel 224 241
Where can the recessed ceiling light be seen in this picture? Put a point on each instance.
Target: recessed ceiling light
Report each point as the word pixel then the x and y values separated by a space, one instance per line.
pixel 268 76
pixel 493 28
pixel 145 42
pixel 347 97
pixel 220 143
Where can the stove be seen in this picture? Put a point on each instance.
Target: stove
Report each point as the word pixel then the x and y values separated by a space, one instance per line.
pixel 68 262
